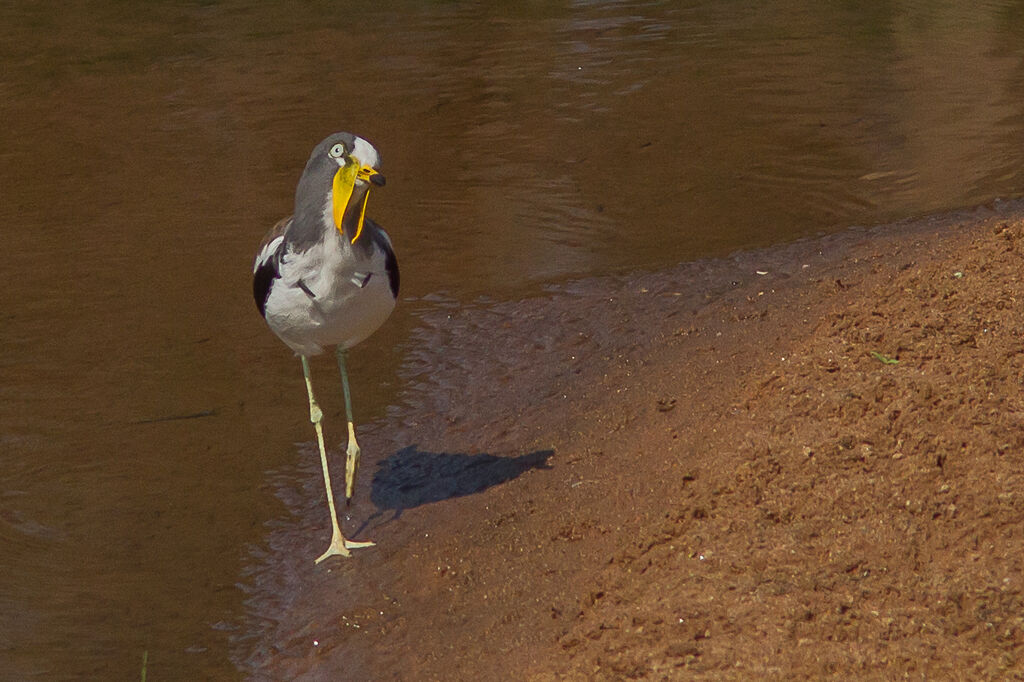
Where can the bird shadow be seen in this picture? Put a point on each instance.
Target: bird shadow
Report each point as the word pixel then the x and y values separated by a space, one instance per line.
pixel 412 477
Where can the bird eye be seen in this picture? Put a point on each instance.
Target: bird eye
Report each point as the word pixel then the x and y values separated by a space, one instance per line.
pixel 338 151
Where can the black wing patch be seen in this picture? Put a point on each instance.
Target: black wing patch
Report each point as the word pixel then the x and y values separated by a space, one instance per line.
pixel 262 280
pixel 380 239
pixel 391 265
pixel 264 274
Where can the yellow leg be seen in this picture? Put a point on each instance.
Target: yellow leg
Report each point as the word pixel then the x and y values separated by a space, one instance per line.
pixel 339 545
pixel 352 453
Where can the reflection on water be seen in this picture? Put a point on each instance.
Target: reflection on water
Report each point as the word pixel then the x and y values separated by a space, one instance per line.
pixel 145 151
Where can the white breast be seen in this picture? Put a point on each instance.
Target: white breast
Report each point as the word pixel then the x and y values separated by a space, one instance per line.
pixel 329 296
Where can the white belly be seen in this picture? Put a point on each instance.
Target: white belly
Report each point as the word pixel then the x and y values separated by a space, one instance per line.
pixel 318 301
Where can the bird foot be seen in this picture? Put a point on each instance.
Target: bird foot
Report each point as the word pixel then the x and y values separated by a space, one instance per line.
pixel 340 547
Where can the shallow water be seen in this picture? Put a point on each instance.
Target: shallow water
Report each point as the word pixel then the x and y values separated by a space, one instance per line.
pixel 143 404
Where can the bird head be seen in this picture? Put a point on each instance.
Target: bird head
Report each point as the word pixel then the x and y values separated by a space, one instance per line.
pixel 353 164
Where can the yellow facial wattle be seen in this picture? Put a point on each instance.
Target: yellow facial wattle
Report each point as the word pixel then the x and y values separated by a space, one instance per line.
pixel 341 194
pixel 362 216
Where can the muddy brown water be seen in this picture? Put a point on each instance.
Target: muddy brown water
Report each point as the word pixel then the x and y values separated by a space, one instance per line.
pixel 147 417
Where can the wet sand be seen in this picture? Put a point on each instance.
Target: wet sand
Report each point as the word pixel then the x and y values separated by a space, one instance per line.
pixel 791 463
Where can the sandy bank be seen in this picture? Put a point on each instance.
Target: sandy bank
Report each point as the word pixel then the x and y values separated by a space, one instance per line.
pixel 800 461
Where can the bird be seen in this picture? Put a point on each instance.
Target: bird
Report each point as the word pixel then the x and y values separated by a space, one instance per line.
pixel 327 276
